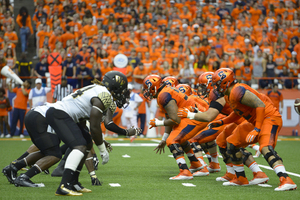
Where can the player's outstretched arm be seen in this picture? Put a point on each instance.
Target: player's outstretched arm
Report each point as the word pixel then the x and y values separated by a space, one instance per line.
pixel 251 100
pixel 206 116
pixel 226 120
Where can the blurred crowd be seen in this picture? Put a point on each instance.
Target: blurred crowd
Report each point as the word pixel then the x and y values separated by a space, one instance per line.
pixel 181 38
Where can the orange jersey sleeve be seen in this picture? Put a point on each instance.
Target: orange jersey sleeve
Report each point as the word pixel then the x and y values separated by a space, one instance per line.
pixel 248 113
pixel 213 96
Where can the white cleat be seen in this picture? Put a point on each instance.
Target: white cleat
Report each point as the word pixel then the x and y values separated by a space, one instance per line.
pixel 286 184
pixel 202 172
pixel 259 178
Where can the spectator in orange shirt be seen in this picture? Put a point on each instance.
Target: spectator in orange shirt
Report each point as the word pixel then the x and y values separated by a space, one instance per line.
pixel 238 63
pixel 24 22
pixel 230 48
pixel 67 36
pixel 20 107
pixel 246 72
pixel 227 63
pixel 84 53
pixel 279 60
pixel 11 35
pixel 276 97
pixel 139 73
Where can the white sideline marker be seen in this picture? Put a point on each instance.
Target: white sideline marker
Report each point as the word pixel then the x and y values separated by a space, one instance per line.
pixel 114 184
pixel 264 185
pixel 188 184
pixel 126 156
pixel 269 168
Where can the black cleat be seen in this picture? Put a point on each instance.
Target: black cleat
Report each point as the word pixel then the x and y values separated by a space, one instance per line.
pixel 95 180
pixel 24 181
pixel 63 191
pixel 10 172
pixel 59 170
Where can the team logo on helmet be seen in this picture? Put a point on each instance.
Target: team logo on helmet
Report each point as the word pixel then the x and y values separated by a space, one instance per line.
pixel 120 80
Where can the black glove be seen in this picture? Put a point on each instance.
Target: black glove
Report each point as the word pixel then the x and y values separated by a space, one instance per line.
pixel 95 180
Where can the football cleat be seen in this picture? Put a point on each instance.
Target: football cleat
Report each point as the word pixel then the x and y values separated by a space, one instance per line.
pixel 24 181
pixel 79 188
pixel 195 166
pixel 183 175
pixel 202 172
pixel 240 181
pixel 63 191
pixel 95 180
pixel 10 172
pixel 214 167
pixel 286 184
pixel 59 170
pixel 259 178
pixel 227 177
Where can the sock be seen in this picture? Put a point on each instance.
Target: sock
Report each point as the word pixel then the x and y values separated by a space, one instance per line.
pixel 33 171
pixel 76 176
pixel 214 158
pixel 255 147
pixel 239 170
pixel 200 158
pixel 67 178
pixel 280 171
pixel 190 154
pixel 230 169
pixel 20 164
pixel 254 167
pixel 208 156
pixel 23 156
pixel 181 163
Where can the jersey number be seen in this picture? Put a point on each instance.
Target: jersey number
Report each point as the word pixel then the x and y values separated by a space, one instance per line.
pixel 80 92
pixel 185 96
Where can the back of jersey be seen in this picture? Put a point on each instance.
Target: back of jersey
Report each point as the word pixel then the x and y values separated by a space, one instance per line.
pixel 78 104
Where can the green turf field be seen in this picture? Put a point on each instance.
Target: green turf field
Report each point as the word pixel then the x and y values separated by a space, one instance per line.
pixel 145 176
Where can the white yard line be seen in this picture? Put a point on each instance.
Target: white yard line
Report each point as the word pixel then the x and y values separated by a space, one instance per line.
pixel 269 168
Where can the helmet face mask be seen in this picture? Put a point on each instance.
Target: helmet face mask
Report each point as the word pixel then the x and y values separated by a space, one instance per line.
pixel 223 79
pixel 205 83
pixel 151 85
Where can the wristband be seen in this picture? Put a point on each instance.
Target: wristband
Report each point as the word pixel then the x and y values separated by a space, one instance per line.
pixel 165 136
pixel 191 115
pixel 159 122
pixel 101 147
pixel 257 129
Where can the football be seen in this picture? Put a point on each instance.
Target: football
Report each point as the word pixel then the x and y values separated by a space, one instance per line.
pixel 297 106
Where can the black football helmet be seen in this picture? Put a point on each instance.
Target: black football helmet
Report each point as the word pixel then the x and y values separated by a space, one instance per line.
pixel 117 83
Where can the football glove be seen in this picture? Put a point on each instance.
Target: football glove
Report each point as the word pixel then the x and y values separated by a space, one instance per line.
pixel 252 135
pixel 104 153
pixel 214 124
pixel 185 113
pixel 95 180
pixel 155 123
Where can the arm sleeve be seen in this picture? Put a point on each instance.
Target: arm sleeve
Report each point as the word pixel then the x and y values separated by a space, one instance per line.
pixel 115 128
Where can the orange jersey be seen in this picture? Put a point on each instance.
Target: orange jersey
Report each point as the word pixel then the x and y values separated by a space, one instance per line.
pixel 182 100
pixel 247 112
pixel 3 111
pixel 198 100
pixel 20 100
pixel 275 97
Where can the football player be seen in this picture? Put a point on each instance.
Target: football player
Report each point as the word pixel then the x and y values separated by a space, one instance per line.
pixel 265 119
pixel 169 100
pixel 218 105
pixel 67 118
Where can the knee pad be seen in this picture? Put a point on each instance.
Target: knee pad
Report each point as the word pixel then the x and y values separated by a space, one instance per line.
pixel 224 154
pixel 234 153
pixel 273 153
pixel 195 147
pixel 176 147
pixel 186 145
pixel 246 155
pixel 209 146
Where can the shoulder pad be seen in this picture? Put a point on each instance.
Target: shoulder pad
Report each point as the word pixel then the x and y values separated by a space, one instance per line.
pixel 105 98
